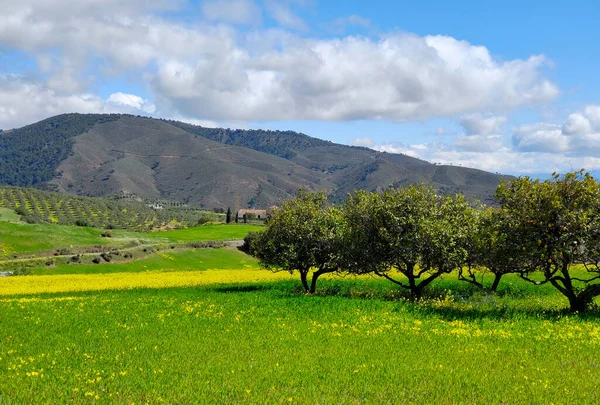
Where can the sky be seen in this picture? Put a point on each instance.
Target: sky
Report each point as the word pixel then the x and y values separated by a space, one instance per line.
pixel 503 86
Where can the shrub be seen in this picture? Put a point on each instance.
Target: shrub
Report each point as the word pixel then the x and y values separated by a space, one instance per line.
pixel 22 211
pixel 249 240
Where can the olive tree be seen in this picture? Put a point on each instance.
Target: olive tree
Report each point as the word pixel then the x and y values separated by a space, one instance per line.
pixel 411 231
pixel 303 235
pixel 557 225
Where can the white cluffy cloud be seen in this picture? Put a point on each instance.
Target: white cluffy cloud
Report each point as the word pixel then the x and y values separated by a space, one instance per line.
pixel 578 135
pixel 367 142
pixel 211 71
pixel 482 133
pixel 25 102
pixel 536 148
pixel 131 100
pixel 400 77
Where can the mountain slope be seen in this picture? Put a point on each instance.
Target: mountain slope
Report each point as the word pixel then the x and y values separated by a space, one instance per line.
pixel 99 155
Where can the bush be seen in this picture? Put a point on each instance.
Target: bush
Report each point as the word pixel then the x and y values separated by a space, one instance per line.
pixel 249 240
pixel 106 234
pixel 62 252
pixel 203 220
pixel 81 222
pixel 22 211
pixel 96 260
pixel 32 219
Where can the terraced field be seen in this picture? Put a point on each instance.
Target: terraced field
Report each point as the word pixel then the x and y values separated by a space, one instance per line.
pixel 38 206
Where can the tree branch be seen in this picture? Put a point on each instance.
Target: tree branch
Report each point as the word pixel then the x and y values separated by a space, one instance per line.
pixel 391 279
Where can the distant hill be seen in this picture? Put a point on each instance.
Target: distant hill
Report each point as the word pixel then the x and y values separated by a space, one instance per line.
pixel 100 155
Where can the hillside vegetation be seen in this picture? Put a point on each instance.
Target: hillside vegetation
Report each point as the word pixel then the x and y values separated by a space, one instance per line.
pixel 37 206
pixel 95 155
pixel 30 155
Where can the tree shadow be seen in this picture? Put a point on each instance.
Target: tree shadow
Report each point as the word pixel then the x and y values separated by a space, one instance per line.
pixel 240 288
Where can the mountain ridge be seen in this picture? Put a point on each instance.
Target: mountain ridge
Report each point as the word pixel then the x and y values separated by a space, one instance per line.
pixel 104 154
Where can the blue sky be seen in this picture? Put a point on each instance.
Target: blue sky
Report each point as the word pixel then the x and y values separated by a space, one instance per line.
pixel 503 86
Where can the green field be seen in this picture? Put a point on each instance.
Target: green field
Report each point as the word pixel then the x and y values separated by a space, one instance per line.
pixel 164 260
pixel 196 325
pixel 206 233
pixel 266 343
pixel 20 238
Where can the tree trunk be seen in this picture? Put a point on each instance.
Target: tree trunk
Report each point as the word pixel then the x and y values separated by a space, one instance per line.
pixel 303 275
pixel 415 290
pixel 576 304
pixel 315 277
pixel 497 277
pixel 583 301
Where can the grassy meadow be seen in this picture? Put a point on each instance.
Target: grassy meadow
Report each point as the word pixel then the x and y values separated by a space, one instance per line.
pixel 18 238
pixel 225 336
pixel 209 326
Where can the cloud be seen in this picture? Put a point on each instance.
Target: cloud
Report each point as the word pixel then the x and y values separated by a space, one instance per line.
pixel 400 77
pixel 283 15
pixel 131 100
pixel 503 160
pixel 233 11
pixel 536 148
pixel 366 142
pixel 25 102
pixel 579 135
pixel 214 72
pixel 476 124
pixel 339 25
pixel 479 143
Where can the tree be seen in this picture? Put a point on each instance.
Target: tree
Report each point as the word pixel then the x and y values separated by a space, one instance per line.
pixel 492 248
pixel 304 235
pixel 407 230
pixel 228 216
pixel 557 225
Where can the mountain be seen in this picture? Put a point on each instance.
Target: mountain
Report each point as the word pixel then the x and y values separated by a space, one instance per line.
pixel 107 154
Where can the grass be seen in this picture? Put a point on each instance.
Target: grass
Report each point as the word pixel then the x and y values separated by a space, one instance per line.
pixel 261 342
pixel 9 215
pixel 21 238
pixel 189 260
pixel 207 232
pixel 208 326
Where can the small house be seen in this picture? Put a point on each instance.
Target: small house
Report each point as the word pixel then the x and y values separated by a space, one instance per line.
pixel 252 214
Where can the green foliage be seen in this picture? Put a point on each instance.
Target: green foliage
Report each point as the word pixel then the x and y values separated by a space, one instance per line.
pixel 279 143
pixel 494 248
pixel 37 206
pixel 303 235
pixel 410 230
pixel 557 224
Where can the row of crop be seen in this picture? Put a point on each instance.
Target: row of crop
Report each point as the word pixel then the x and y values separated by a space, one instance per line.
pixel 37 206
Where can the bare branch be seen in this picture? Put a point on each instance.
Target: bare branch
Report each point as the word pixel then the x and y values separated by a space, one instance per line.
pixel 391 279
